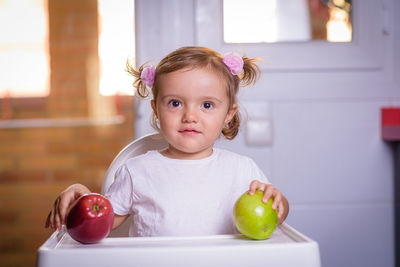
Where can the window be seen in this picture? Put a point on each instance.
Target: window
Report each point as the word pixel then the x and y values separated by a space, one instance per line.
pixel 116 45
pixel 365 51
pixel 23 48
pixel 273 21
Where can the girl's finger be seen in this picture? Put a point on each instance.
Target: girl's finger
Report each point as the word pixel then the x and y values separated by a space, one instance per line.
pixel 47 223
pixel 280 213
pixel 268 192
pixel 56 216
pixel 62 209
pixel 277 200
pixel 51 218
pixel 256 185
pixel 57 222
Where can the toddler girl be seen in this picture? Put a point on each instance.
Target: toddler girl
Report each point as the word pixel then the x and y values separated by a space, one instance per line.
pixel 190 187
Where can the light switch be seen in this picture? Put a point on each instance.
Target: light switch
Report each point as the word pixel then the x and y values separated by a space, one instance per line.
pixel 258 123
pixel 258 131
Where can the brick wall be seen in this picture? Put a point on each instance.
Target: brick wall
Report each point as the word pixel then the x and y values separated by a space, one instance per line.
pixel 37 163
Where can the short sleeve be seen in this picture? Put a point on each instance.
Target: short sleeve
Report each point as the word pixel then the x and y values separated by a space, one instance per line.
pixel 257 173
pixel 121 191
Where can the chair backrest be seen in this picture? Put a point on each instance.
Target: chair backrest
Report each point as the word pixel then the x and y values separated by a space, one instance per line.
pixel 137 147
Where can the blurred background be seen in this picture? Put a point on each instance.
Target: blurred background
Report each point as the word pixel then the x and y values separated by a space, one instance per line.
pixel 312 122
pixel 57 127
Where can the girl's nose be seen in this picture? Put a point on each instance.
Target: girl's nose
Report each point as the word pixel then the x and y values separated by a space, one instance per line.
pixel 189 116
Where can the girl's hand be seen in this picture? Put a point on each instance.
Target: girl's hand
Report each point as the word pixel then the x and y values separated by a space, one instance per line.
pixel 280 202
pixel 58 213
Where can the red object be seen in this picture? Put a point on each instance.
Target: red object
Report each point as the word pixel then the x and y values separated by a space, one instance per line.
pixel 390 116
pixel 390 121
pixel 90 219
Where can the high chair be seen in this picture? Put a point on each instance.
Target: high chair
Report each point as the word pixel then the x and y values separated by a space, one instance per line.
pixel 286 247
pixel 154 141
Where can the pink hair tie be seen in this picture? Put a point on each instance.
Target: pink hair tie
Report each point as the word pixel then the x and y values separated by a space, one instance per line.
pixel 234 62
pixel 147 76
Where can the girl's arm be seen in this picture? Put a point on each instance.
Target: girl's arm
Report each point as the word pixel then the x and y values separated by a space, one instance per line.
pixel 119 219
pixel 280 203
pixel 60 207
pixel 58 213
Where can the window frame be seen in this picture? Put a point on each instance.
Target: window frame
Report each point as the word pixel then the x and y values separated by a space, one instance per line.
pixel 41 88
pixel 365 52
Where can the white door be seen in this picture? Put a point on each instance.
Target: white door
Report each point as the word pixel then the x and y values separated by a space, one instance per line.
pixel 321 102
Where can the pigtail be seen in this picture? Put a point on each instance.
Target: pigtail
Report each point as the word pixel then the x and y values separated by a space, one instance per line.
pixel 232 128
pixel 138 84
pixel 243 71
pixel 250 73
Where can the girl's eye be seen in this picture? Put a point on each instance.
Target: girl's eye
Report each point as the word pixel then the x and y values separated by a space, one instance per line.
pixel 207 105
pixel 174 103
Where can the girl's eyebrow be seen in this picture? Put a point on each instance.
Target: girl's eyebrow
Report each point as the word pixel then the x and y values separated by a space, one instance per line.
pixel 205 98
pixel 214 99
pixel 170 96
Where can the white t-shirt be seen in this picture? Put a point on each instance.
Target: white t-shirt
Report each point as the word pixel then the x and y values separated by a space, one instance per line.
pixel 172 197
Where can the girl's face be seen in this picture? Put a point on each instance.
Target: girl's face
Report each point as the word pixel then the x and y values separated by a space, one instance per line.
pixel 192 108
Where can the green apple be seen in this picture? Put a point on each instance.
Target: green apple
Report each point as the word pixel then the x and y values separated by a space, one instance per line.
pixel 254 218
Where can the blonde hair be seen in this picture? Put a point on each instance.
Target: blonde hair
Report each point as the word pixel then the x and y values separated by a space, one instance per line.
pixel 200 57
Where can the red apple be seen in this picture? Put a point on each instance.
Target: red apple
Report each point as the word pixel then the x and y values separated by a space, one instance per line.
pixel 90 219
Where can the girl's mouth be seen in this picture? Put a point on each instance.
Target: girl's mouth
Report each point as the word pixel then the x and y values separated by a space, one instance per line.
pixel 189 131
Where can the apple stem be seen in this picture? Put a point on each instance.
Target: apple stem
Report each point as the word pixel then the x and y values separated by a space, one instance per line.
pixel 96 207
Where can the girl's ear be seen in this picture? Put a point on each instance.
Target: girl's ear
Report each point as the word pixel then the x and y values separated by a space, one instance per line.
pixel 154 107
pixel 231 112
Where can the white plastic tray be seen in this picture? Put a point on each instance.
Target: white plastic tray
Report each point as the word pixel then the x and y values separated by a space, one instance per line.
pixel 285 247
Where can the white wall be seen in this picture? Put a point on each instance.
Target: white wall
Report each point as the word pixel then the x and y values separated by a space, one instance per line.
pixel 326 155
